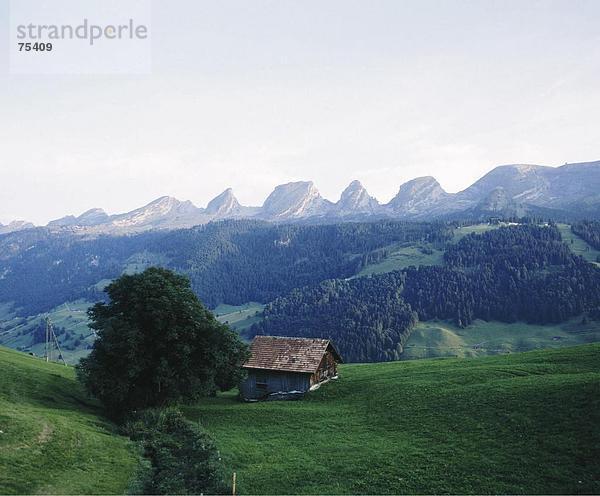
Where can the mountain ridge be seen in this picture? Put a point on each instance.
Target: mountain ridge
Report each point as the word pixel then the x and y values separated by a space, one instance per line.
pixel 571 189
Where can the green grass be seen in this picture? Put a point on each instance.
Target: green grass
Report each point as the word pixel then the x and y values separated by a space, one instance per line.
pixel 525 423
pixel 442 339
pixel 578 245
pixel 401 257
pixel 53 440
pixel 239 317
pixel 404 255
pixel 461 232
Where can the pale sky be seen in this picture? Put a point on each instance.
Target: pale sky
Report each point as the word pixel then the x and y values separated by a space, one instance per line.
pixel 250 94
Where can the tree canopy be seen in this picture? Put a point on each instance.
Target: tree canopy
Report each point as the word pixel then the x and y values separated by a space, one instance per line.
pixel 157 345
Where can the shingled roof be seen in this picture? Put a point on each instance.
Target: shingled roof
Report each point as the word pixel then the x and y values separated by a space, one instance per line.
pixel 288 354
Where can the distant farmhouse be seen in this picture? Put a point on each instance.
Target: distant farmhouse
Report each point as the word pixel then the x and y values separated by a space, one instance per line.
pixel 286 368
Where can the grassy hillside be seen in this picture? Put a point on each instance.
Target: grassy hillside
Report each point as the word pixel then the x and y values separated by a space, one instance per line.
pixel 17 332
pixel 401 257
pixel 404 255
pixel 578 245
pixel 462 231
pixel 524 423
pixel 52 439
pixel 239 317
pixel 442 339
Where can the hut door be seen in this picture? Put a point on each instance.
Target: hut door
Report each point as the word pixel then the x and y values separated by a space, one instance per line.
pixel 262 385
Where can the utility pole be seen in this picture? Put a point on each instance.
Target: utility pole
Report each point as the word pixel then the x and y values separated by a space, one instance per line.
pixel 51 341
pixel 47 341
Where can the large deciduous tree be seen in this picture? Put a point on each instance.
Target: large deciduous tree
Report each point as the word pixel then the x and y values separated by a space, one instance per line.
pixel 157 345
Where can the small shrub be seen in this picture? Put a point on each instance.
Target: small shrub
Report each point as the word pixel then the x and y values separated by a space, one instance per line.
pixel 183 459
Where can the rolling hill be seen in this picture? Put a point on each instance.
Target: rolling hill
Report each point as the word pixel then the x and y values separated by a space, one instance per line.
pixel 517 424
pixel 52 438
pixel 520 424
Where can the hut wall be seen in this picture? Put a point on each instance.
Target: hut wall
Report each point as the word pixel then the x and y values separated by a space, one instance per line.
pixel 260 383
pixel 327 369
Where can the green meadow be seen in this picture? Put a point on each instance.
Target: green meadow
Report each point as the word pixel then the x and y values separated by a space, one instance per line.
pixel 462 231
pixel 404 255
pixel 518 424
pixel 53 440
pixel 442 339
pixel 578 245
pixel 401 257
pixel 239 317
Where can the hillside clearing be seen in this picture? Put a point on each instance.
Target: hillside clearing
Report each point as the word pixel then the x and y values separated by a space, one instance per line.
pixel 401 257
pixel 442 339
pixel 239 317
pixel 462 231
pixel 404 255
pixel 53 440
pixel 516 424
pixel 578 245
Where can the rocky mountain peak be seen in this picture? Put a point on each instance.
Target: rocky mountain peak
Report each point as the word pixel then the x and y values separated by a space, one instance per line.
pixel 356 200
pixel 507 189
pixel 15 225
pixel 158 211
pixel 417 195
pixel 92 217
pixel 224 205
pixel 294 200
pixel 525 182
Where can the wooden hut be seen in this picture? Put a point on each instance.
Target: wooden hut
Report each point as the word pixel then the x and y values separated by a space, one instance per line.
pixel 286 368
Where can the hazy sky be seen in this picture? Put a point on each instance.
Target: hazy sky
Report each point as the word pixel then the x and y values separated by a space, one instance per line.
pixel 251 94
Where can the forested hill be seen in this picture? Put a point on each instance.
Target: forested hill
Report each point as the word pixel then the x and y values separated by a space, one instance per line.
pixel 520 273
pixel 512 273
pixel 231 261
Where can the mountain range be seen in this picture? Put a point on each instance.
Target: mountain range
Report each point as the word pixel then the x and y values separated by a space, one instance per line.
pixel 572 190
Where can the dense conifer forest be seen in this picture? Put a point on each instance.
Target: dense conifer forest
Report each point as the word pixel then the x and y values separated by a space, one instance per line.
pixel 520 273
pixel 228 262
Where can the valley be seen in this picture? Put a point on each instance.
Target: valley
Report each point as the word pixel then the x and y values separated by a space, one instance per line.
pixel 300 248
pixel 482 343
pixel 70 322
pixel 24 331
